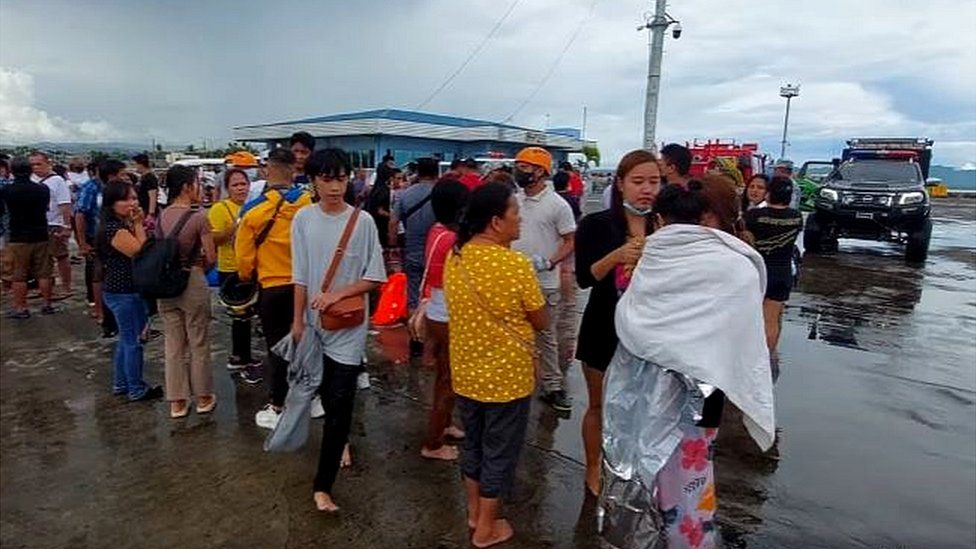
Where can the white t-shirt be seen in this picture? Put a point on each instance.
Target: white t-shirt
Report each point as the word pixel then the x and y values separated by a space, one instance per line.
pixel 546 218
pixel 60 195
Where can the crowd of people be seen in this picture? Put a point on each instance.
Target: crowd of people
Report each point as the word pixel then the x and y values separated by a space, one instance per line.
pixel 687 278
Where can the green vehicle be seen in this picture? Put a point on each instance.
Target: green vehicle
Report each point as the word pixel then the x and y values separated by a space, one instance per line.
pixel 810 178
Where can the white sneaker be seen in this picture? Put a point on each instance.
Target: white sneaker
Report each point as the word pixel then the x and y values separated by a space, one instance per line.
pixel 362 381
pixel 316 411
pixel 267 417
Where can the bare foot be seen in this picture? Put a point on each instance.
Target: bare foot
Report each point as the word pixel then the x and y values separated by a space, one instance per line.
pixel 454 432
pixel 346 460
pixel 179 408
pixel 323 502
pixel 206 404
pixel 501 533
pixel 445 452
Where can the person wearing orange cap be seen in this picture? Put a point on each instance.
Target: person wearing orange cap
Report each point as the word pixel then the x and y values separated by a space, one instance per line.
pixel 547 230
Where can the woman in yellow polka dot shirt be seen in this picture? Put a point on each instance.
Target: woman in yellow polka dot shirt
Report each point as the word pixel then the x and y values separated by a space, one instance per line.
pixel 495 306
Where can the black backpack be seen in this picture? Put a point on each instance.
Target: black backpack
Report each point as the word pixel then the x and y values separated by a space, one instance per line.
pixel 157 270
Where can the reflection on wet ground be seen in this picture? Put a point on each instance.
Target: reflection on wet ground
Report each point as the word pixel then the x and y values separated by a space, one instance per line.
pixel 875 410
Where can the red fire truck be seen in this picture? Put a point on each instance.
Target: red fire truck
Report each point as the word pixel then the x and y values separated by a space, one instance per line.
pixel 710 154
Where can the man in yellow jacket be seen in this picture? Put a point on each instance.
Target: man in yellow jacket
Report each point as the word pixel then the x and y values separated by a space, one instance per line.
pixel 263 248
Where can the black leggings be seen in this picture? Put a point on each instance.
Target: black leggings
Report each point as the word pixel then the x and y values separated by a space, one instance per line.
pixel 240 331
pixel 338 392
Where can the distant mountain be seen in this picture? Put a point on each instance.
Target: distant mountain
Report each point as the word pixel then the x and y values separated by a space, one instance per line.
pixel 954 178
pixel 83 148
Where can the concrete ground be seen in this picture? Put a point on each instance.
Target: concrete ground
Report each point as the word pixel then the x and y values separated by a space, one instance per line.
pixel 874 406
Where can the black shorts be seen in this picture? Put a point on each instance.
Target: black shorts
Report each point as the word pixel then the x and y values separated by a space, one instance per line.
pixel 779 282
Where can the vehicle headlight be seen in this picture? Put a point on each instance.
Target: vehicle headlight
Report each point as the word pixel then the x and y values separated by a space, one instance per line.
pixel 916 197
pixel 829 194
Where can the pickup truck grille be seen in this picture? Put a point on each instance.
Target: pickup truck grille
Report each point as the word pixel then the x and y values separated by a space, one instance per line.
pixel 867 199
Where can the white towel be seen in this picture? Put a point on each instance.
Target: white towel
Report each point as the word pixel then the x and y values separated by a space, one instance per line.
pixel 694 305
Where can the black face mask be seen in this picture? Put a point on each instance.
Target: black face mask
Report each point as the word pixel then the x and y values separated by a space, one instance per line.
pixel 523 179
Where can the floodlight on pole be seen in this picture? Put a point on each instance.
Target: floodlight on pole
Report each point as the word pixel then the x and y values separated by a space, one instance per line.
pixel 789 91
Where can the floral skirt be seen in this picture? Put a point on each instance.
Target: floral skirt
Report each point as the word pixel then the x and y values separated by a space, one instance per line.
pixel 686 491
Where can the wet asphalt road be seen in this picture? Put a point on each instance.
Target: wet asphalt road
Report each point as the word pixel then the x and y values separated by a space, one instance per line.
pixel 876 410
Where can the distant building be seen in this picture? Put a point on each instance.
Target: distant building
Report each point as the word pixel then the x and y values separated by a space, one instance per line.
pixel 368 136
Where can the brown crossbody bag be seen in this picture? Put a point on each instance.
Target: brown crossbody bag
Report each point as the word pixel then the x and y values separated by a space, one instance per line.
pixel 348 312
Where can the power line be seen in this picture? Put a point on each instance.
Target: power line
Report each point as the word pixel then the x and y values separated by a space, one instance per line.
pixel 471 56
pixel 552 68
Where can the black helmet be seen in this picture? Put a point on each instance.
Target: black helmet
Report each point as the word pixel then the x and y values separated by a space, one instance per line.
pixel 238 296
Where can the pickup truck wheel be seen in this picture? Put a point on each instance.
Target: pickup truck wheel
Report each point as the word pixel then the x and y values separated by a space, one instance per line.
pixel 813 235
pixel 917 249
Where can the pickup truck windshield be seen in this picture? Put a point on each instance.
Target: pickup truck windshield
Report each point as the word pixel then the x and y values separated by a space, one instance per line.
pixel 877 170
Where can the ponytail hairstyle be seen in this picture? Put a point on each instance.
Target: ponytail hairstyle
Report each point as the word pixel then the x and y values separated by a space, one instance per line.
pixel 484 204
pixel 178 179
pixel 722 200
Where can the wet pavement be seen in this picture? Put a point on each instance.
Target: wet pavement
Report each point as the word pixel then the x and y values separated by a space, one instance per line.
pixel 876 411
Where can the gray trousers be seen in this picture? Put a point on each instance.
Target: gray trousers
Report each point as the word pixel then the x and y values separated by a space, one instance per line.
pixel 553 373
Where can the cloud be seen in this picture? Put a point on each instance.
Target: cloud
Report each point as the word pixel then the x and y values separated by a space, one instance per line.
pixel 22 122
pixel 871 67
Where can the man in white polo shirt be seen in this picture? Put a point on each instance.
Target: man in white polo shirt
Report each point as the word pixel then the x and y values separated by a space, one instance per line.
pixel 546 237
pixel 58 215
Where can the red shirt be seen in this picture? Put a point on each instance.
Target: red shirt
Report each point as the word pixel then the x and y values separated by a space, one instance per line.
pixel 575 184
pixel 437 249
pixel 471 181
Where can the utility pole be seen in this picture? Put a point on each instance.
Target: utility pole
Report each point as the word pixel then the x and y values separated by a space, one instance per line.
pixel 657 25
pixel 583 128
pixel 788 92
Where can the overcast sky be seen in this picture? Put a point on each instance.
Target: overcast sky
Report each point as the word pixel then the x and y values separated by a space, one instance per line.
pixel 182 71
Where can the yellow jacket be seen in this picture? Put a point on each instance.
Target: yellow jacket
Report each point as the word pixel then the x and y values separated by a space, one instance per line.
pixel 272 259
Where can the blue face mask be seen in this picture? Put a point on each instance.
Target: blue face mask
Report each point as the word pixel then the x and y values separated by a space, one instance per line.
pixel 637 211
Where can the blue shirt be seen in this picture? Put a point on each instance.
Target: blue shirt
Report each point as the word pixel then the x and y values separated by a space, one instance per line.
pixel 88 204
pixel 419 222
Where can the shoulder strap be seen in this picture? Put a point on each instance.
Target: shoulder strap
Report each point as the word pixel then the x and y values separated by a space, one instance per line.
pixel 416 207
pixel 46 177
pixel 179 224
pixel 340 250
pixel 226 207
pixel 263 235
pixel 433 248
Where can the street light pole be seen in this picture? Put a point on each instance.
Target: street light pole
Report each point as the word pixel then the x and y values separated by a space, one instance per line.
pixel 788 91
pixel 657 25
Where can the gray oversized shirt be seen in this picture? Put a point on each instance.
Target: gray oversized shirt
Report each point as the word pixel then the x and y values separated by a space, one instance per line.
pixel 314 237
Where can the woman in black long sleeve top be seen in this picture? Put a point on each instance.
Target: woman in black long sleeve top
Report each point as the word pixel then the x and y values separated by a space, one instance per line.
pixel 608 246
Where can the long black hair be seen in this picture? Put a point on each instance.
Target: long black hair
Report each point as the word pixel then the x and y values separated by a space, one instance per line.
pixel 484 204
pixel 112 192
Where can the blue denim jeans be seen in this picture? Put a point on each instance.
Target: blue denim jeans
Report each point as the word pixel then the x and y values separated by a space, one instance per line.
pixel 130 314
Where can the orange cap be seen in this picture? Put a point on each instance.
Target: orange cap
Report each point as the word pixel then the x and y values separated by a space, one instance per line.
pixel 242 159
pixel 537 156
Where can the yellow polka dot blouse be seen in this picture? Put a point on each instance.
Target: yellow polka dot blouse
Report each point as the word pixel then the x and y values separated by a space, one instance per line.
pixel 488 364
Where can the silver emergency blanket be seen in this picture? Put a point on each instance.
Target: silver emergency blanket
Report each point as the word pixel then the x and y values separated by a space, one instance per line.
pixel 304 377
pixel 644 407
